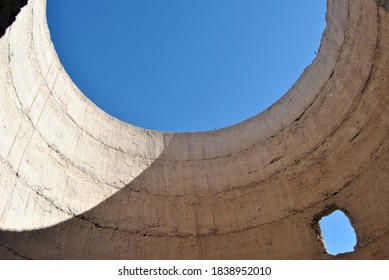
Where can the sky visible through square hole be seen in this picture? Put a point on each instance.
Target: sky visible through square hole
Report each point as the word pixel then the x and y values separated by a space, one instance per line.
pixel 185 65
pixel 338 233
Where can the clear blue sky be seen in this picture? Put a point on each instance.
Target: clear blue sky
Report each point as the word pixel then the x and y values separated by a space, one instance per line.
pixel 338 233
pixel 176 65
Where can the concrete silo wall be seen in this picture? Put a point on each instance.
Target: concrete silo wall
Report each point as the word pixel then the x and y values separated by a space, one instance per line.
pixel 78 184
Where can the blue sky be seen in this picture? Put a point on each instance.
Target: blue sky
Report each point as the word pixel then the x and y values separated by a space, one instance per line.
pixel 179 65
pixel 339 235
pixel 175 65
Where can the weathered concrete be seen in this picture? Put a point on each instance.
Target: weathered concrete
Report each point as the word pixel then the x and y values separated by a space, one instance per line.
pixel 77 183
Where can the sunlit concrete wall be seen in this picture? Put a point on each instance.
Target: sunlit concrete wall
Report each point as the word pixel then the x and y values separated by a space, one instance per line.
pixel 78 184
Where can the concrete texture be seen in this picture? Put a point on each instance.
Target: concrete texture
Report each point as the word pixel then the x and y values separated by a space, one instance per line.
pixel 78 184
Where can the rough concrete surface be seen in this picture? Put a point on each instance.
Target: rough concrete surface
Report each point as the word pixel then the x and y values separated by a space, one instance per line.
pixel 78 184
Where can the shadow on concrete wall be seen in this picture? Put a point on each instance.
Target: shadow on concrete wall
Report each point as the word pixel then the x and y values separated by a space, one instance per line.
pixel 117 228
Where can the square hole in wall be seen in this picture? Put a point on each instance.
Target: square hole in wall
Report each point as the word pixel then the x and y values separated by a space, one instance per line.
pixel 337 233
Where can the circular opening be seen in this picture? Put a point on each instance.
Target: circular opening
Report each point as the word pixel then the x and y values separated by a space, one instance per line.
pixel 185 65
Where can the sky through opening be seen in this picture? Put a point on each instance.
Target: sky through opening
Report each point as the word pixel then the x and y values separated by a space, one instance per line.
pixel 185 65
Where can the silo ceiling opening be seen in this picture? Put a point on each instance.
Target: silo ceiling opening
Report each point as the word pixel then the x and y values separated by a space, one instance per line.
pixel 77 183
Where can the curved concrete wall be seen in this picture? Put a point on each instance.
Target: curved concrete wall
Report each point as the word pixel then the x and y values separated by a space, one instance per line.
pixel 78 184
